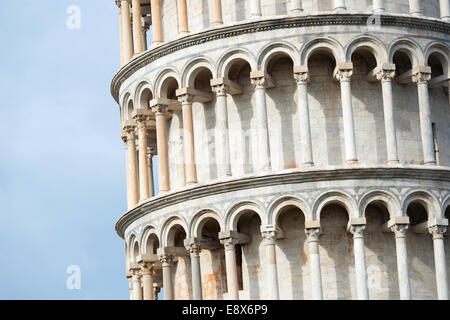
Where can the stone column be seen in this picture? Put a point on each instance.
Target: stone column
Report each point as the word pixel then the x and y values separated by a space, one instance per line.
pixel 160 111
pixel 130 285
pixel 270 238
pixel 343 74
pixel 146 23
pixel 386 76
pixel 222 144
pixel 122 58
pixel 263 162
pixel 137 289
pixel 132 174
pixel 302 78
pixel 127 36
pixel 360 260
pixel 313 235
pixel 378 6
pixel 231 268
pixel 255 8
pixel 156 22
pixel 339 6
pixel 445 9
pixel 188 139
pixel 167 262
pixel 183 25
pixel 439 260
pixel 141 117
pixel 414 7
pixel 402 260
pixel 421 76
pixel 151 184
pixel 296 7
pixel 137 26
pixel 147 281
pixel 194 251
pixel 216 13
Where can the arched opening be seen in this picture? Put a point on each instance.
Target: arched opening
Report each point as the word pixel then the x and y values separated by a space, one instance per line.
pixel 181 269
pixel 241 112
pixel 130 109
pixel 212 260
pixel 380 253
pixel 439 97
pixel 292 255
pixel 420 253
pixel 248 255
pixel 201 79
pixel 406 110
pixel 281 111
pixel 152 244
pixel 336 253
pixel 169 88
pixel 371 142
pixel 135 251
pixel 324 97
pixel 145 98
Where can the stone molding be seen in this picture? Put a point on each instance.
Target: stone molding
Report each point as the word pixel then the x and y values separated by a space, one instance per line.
pixel 204 36
pixel 279 178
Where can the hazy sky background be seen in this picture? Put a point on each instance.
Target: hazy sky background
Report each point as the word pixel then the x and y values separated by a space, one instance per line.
pixel 62 165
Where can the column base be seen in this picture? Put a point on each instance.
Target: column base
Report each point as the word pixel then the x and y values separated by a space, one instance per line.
pixel 430 163
pixel 155 44
pixel 393 162
pixel 216 24
pixel 182 34
pixel 352 161
pixel 297 12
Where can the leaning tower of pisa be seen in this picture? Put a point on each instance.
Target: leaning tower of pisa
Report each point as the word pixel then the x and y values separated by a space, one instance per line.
pixel 300 149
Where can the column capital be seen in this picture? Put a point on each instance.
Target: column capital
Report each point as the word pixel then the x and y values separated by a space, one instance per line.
pixel 399 230
pixel 357 230
pixel 343 71
pixel 147 268
pixel 270 236
pixel 118 3
pixel 141 116
pixel 301 76
pixel 313 234
pixel 160 109
pixel 129 128
pixel 146 22
pixel 421 74
pixel 220 89
pixel 229 243
pixel 193 246
pixel 166 260
pixel 186 98
pixel 386 74
pixel 437 231
pixel 261 79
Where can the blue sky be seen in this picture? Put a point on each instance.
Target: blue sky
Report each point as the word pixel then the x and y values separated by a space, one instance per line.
pixel 62 164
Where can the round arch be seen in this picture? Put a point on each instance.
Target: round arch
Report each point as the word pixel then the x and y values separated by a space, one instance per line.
pixel 237 210
pixel 389 200
pixel 371 43
pixel 278 205
pixel 192 67
pixel 276 48
pixel 141 90
pixel 200 218
pixel 411 48
pixel 426 199
pixel 161 81
pixel 229 57
pixel 166 237
pixel 335 197
pixel 149 232
pixel 328 44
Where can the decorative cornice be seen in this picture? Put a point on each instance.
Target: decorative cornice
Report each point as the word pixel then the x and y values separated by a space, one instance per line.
pixel 266 25
pixel 277 178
